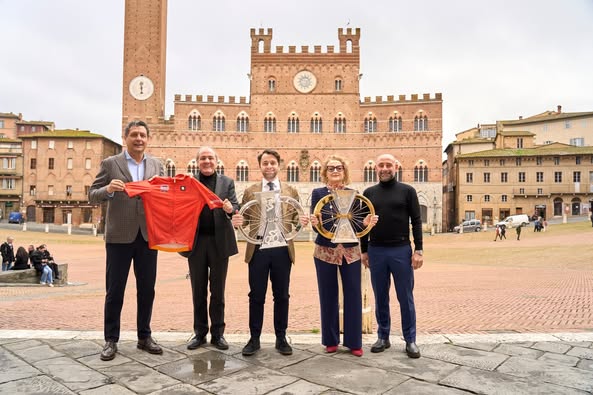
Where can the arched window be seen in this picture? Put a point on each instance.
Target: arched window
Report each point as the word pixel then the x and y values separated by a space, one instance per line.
pixel 340 125
pixel 399 174
pixel 242 123
pixel 293 124
pixel 395 123
pixel 220 168
pixel 370 125
pixel 170 168
pixel 421 172
pixel 194 122
pixel 242 171
pixel 270 125
pixel 292 172
pixel 369 172
pixel 420 123
pixel 218 123
pixel 316 124
pixel 271 85
pixel 315 172
pixel 338 85
pixel 192 167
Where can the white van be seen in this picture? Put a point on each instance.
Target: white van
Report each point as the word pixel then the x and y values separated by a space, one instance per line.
pixel 512 221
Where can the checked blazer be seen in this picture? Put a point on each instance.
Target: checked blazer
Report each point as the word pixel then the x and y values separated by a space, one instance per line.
pixel 125 215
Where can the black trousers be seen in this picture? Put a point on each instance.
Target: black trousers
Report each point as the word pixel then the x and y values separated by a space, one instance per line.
pixel 272 263
pixel 119 259
pixel 207 264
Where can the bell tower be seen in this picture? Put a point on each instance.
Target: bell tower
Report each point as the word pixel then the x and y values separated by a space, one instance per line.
pixel 145 49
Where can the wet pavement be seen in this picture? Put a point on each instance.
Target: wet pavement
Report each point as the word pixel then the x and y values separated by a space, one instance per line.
pixel 67 362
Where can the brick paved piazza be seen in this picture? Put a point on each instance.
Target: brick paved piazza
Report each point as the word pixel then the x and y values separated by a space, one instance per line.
pixel 469 284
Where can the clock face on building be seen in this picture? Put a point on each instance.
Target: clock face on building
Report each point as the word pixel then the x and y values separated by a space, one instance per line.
pixel 304 81
pixel 141 87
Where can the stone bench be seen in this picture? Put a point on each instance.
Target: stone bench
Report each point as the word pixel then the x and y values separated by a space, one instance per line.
pixel 30 276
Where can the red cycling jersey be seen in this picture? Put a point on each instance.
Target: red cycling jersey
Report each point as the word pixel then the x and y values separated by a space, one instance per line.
pixel 172 206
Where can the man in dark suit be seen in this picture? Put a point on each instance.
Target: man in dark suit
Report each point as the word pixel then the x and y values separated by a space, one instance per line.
pixel 214 243
pixel 126 238
pixel 273 263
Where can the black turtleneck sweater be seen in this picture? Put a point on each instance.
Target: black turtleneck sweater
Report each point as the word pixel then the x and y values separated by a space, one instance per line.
pixel 397 206
pixel 206 221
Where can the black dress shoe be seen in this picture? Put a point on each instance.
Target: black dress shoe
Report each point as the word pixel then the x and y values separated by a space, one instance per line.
pixel 219 342
pixel 149 345
pixel 380 345
pixel 412 350
pixel 109 350
pixel 196 342
pixel 251 347
pixel 283 347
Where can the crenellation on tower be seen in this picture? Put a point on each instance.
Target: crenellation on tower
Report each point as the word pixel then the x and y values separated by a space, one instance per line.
pixel 263 37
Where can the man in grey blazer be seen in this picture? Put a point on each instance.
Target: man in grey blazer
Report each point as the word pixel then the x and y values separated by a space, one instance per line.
pixel 126 238
pixel 214 243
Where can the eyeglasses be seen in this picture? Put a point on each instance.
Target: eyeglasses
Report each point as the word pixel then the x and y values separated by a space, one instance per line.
pixel 331 169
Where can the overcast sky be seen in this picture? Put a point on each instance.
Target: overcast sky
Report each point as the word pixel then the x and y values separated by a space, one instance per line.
pixel 61 60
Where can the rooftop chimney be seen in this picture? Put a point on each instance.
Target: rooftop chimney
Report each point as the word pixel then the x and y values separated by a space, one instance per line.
pixel 559 109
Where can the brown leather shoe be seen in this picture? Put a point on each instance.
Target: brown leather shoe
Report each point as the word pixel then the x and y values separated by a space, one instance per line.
pixel 149 345
pixel 109 351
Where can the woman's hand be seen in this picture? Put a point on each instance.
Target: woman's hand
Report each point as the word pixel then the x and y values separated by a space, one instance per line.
pixel 314 220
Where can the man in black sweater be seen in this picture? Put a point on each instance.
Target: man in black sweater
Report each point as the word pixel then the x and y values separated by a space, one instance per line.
pixel 387 252
pixel 208 261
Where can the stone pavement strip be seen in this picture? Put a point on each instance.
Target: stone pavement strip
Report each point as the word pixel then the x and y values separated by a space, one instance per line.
pixel 67 362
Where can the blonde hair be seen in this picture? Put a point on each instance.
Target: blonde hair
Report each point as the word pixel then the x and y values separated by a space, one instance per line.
pixel 323 174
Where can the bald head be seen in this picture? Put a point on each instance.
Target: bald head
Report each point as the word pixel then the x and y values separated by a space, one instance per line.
pixel 207 160
pixel 385 167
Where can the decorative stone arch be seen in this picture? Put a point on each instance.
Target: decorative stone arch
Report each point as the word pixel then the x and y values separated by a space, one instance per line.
pixel 242 122
pixel 316 123
pixel 170 167
pixel 293 123
pixel 368 171
pixel 194 120
pixel 218 121
pixel 192 167
pixel 242 171
pixel 315 171
pixel 421 171
pixel 292 171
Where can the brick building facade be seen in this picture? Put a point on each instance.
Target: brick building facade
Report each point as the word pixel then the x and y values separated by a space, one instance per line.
pixel 304 102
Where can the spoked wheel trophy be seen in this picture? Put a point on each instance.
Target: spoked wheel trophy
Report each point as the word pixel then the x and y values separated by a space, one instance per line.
pixel 270 219
pixel 341 215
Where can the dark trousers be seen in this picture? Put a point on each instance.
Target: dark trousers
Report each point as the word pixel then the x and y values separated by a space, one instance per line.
pixel 207 264
pixel 272 263
pixel 397 262
pixel 327 282
pixel 119 259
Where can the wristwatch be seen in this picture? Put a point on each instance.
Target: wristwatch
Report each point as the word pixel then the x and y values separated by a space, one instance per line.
pixel 419 252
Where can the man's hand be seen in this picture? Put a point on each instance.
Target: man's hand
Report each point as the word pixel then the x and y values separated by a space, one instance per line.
pixel 364 257
pixel 370 220
pixel 304 220
pixel 115 186
pixel 237 219
pixel 227 206
pixel 417 261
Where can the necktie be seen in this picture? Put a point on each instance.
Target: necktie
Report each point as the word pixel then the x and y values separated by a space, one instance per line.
pixel 271 185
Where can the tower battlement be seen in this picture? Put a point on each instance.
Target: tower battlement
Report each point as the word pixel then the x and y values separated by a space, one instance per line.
pixel 261 43
pixel 209 99
pixel 403 99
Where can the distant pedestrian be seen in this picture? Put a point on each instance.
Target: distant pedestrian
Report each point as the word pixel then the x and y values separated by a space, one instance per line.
pixel 518 229
pixel 497 233
pixel 591 218
pixel 503 232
